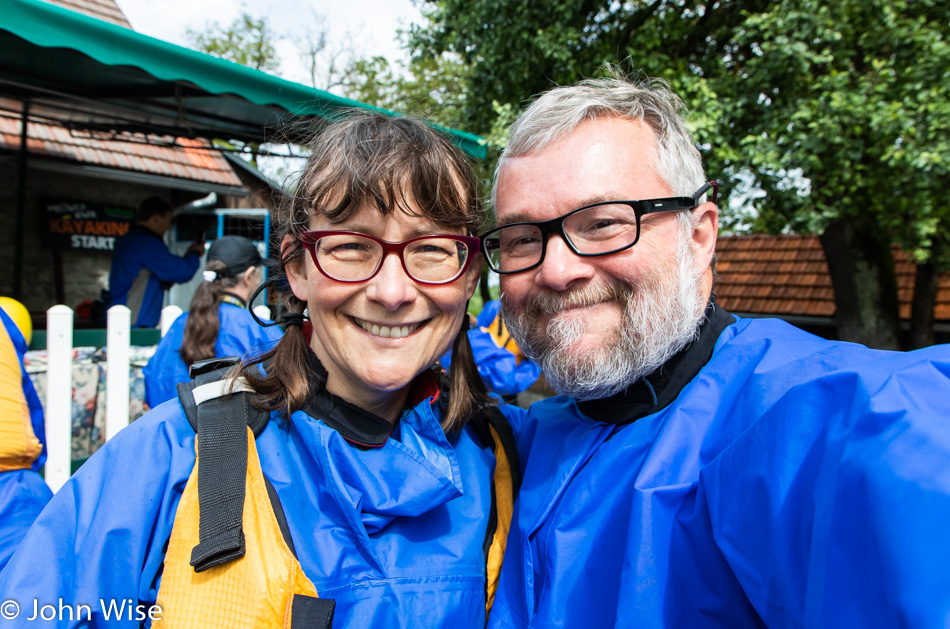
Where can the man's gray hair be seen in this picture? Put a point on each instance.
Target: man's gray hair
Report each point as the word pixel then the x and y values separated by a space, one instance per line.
pixel 558 112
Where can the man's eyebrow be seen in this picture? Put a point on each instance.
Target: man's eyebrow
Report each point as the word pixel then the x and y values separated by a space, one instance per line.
pixel 516 217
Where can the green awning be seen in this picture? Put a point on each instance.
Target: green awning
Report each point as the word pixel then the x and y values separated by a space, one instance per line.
pixel 88 74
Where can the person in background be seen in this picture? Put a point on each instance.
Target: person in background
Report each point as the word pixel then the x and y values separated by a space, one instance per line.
pixel 142 266
pixel 338 477
pixel 23 493
pixel 698 469
pixel 501 364
pixel 217 323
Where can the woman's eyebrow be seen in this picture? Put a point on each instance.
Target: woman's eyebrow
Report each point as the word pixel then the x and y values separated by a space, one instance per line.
pixel 373 229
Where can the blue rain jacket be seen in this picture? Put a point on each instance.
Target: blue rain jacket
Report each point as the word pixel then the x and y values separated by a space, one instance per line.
pixel 238 335
pixel 141 251
pixel 498 367
pixel 794 482
pixel 23 494
pixel 394 534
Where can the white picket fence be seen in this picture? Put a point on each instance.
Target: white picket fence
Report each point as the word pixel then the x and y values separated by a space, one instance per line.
pixel 59 387
pixel 59 379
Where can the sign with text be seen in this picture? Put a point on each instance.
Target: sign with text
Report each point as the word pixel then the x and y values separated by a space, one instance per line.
pixel 85 225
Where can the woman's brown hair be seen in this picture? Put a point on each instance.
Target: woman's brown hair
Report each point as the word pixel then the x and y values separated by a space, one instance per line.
pixel 203 323
pixel 392 164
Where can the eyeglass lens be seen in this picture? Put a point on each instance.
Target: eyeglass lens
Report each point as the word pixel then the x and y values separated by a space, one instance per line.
pixel 354 258
pixel 596 230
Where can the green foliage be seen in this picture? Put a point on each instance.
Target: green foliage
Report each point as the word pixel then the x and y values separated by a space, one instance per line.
pixel 431 88
pixel 833 108
pixel 247 41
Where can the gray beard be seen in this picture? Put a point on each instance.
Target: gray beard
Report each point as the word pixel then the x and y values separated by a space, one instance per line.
pixel 661 315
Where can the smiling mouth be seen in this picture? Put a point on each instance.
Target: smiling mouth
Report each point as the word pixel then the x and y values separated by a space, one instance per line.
pixel 388 332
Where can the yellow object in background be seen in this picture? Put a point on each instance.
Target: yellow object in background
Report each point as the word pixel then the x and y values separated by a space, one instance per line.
pixel 20 315
pixel 502 337
pixel 19 446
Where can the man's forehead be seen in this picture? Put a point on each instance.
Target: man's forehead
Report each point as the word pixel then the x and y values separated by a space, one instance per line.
pixel 603 160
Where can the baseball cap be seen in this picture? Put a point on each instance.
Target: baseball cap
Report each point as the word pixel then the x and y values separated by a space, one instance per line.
pixel 236 252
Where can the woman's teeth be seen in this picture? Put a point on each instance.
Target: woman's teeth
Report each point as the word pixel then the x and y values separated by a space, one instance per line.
pixel 387 332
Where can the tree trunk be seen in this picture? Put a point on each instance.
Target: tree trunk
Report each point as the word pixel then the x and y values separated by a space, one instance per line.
pixel 922 310
pixel 865 283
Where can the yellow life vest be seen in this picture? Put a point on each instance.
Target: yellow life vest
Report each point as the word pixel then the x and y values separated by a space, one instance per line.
pixel 260 589
pixel 502 337
pixel 262 584
pixel 19 446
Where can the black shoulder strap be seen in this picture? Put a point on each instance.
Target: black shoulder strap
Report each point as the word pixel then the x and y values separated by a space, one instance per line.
pixel 221 418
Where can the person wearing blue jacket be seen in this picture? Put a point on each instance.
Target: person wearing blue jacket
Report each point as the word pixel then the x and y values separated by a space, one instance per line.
pixel 504 369
pixel 217 323
pixel 23 492
pixel 698 469
pixel 369 493
pixel 143 267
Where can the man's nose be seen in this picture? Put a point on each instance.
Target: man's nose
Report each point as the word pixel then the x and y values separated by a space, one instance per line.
pixel 562 268
pixel 392 287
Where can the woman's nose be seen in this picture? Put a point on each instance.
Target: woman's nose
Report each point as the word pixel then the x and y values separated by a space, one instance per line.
pixel 391 286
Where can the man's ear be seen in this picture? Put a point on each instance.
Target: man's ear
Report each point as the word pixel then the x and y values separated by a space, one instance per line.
pixel 296 268
pixel 705 234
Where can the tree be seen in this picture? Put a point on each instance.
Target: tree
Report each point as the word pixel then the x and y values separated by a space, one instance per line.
pixel 247 41
pixel 328 55
pixel 838 110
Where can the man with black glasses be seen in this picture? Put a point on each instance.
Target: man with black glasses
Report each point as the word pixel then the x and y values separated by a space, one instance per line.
pixel 698 470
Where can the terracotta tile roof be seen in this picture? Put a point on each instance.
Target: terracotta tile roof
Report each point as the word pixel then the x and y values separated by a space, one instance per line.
pixel 106 10
pixel 186 159
pixel 182 158
pixel 788 275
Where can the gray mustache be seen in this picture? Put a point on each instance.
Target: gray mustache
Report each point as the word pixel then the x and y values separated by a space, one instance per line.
pixel 586 296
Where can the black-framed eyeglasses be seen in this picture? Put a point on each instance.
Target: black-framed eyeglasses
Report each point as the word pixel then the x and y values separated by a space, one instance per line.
pixel 598 229
pixel 354 257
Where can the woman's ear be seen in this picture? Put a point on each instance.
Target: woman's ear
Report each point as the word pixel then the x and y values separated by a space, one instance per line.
pixel 473 275
pixel 295 268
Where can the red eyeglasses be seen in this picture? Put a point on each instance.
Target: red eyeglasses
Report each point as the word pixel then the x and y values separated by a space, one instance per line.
pixel 354 257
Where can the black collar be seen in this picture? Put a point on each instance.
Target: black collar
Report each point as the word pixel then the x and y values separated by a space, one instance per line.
pixel 356 425
pixel 656 391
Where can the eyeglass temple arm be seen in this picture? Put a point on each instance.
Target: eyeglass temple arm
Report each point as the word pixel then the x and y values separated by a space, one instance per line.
pixel 709 184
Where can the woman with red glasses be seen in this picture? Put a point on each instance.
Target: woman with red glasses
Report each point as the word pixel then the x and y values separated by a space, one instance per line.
pixel 339 479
